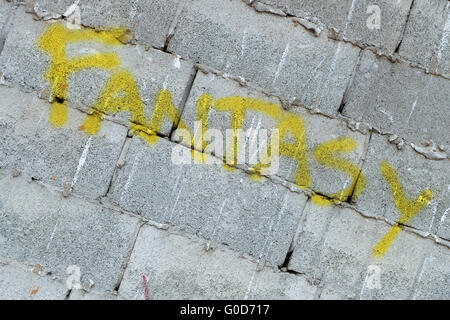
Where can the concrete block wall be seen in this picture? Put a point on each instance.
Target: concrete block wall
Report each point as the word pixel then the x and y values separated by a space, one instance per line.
pixel 92 205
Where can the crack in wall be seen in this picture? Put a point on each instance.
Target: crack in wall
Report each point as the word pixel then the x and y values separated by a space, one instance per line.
pixel 126 261
pixel 285 265
pixel 397 48
pixel 173 25
pixel 119 163
pixel 352 197
pixel 350 83
pixel 182 106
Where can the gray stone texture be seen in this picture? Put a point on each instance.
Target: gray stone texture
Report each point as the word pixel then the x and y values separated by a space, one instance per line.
pixel 335 247
pixel 23 63
pixel 177 267
pixel 351 18
pixel 149 21
pixel 325 180
pixel 443 225
pixel 427 35
pixel 5 11
pixel 434 277
pixel 39 227
pixel 416 173
pixel 19 282
pixel 63 157
pixel 269 51
pixel 255 217
pixel 395 98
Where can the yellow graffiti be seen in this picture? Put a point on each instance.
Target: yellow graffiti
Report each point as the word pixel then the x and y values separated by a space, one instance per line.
pixel 54 42
pixel 92 123
pixel 121 94
pixel 58 114
pixel 322 201
pixel 407 208
pixel 292 125
pixel 289 125
pixel 163 109
pixel 325 154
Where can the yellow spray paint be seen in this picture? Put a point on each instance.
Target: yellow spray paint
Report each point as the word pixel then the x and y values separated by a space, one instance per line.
pixel 54 42
pixel 322 201
pixel 289 125
pixel 292 125
pixel 237 107
pixel 165 109
pixel 406 207
pixel 326 155
pixel 92 123
pixel 58 114
pixel 203 106
pixel 121 94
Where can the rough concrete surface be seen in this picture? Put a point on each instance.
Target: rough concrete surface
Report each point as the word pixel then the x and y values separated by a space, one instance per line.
pixel 255 217
pixel 335 245
pixel 395 98
pixel 427 34
pixel 66 157
pixel 5 12
pixel 350 17
pixel 213 274
pixel 104 197
pixel 149 21
pixel 20 282
pixel 58 233
pixel 276 54
pixel 416 174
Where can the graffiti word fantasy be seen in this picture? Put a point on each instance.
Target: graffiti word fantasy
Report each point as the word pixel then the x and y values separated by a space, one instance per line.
pixel 121 94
